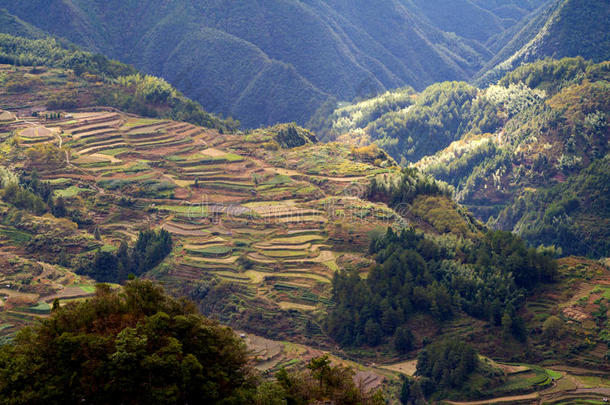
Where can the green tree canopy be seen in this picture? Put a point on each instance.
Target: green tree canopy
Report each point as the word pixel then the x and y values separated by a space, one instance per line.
pixel 132 346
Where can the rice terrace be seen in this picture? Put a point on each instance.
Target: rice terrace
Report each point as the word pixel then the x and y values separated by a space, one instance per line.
pixel 305 202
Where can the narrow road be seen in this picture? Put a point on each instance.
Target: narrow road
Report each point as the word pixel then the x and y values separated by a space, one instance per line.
pixel 533 396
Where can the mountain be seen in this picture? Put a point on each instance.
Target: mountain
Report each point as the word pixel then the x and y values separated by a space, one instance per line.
pixel 278 61
pixel 567 28
pixel 538 138
pixel 10 24
pixel 277 234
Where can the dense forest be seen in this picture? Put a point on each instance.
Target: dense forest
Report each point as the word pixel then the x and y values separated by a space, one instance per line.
pixel 486 279
pixel 560 29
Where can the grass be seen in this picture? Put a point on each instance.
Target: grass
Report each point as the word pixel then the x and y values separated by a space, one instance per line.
pixel 594 382
pixel 211 250
pixel 15 235
pixel 87 288
pixel 142 121
pixel 41 308
pixel 297 240
pixel 61 180
pixel 258 276
pixel 112 184
pixel 195 210
pixel 533 380
pixel 115 151
pixel 69 192
pixel 203 158
pixel 286 253
pixel 108 248
pixel 5 326
pixel 553 374
pixel 279 179
pixel 331 264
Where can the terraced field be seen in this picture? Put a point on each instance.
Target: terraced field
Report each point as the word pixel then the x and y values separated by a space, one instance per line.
pixel 257 218
pixel 28 288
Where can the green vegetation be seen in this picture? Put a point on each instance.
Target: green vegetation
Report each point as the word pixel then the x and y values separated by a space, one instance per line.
pixel 414 274
pixel 23 199
pixel 149 250
pixel 561 215
pixel 282 136
pixel 137 344
pixel 134 346
pixel 404 188
pixel 41 308
pixel 321 381
pixel 441 114
pixel 526 154
pixel 561 29
pixel 69 192
pixel 48 52
pixel 280 246
pixel 446 365
pixel 219 250
pixel 354 118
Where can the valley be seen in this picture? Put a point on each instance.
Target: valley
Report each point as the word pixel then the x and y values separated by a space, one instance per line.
pixel 440 242
pixel 259 229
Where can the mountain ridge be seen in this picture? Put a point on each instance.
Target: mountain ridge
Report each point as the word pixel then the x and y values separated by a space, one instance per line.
pixel 358 51
pixel 567 28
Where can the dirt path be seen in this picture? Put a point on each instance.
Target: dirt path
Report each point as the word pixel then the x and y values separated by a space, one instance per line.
pixel 599 390
pixel 533 396
pixel 406 367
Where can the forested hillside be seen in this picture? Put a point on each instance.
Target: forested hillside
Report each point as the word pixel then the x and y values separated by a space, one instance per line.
pixel 279 61
pixel 537 128
pixel 566 28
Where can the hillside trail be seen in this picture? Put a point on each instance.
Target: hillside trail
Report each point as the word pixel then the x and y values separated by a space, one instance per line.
pixel 533 396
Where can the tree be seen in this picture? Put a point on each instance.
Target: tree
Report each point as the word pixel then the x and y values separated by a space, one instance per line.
pixel 411 393
pixel 59 208
pixel 507 324
pixel 447 363
pixel 403 340
pixel 551 328
pixel 321 382
pixel 150 249
pixel 270 393
pixel 372 333
pixel 132 346
pixel 320 368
